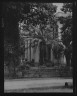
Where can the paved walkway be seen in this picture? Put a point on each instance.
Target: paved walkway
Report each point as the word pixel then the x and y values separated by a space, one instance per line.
pixel 34 83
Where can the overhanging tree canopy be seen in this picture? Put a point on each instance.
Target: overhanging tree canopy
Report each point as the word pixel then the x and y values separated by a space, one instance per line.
pixel 67 24
pixel 42 16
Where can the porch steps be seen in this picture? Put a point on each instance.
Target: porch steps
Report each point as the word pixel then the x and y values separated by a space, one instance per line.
pixel 48 72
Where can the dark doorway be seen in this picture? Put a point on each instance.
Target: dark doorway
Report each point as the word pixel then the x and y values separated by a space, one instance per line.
pixel 48 52
pixel 42 52
pixel 45 53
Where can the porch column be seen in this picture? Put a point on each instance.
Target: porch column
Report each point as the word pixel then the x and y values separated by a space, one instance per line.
pixel 30 49
pixel 37 54
pixel 46 53
pixel 25 49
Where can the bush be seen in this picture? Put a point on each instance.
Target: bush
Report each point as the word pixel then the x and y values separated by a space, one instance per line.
pixel 58 50
pixel 65 71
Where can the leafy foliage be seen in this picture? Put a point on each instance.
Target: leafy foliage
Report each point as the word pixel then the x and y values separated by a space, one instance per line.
pixel 11 16
pixel 58 49
pixel 67 7
pixel 39 23
pixel 67 31
pixel 33 15
pixel 37 20
pixel 67 24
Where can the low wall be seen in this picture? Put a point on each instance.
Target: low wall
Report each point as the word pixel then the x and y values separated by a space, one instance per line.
pixel 39 72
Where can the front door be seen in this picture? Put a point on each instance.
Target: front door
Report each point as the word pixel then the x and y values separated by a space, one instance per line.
pixel 48 53
pixel 42 52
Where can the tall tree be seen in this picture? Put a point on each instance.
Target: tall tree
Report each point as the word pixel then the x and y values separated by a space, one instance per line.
pixel 67 24
pixel 39 21
pixel 11 15
pixel 67 7
pixel 67 30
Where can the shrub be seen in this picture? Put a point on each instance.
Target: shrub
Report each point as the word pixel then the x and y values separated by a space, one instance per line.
pixel 58 50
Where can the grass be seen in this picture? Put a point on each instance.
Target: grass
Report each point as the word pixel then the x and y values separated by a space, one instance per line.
pixel 42 89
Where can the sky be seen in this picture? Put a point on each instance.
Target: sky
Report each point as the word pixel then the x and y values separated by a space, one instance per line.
pixel 59 5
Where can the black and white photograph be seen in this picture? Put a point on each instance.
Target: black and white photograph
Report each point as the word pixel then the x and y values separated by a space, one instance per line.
pixel 37 47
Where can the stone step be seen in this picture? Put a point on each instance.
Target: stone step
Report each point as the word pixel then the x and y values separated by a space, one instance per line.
pixel 46 72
